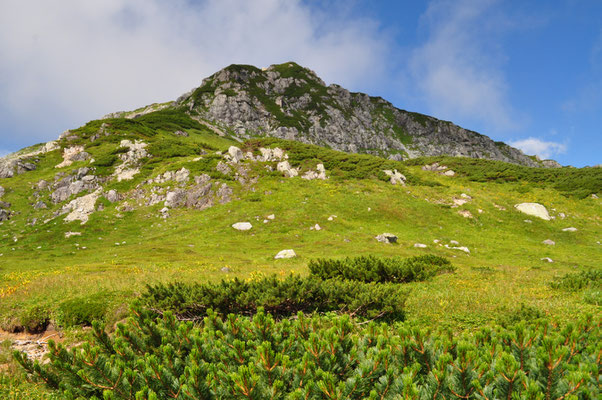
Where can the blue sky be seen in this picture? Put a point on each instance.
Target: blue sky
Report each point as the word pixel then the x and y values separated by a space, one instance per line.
pixel 525 72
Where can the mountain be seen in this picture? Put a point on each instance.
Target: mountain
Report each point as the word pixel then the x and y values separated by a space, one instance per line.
pixel 205 190
pixel 291 102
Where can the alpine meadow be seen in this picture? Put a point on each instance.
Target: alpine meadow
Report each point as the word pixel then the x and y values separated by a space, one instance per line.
pixel 268 236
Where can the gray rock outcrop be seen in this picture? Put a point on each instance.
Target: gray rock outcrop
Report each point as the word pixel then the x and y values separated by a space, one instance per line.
pixel 533 209
pixel 291 102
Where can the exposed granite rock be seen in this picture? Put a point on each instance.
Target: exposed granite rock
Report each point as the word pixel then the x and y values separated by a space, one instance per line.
pixel 534 209
pixel 291 102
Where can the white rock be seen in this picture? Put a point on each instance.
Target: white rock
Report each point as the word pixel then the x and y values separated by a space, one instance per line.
pixel 549 242
pixel 386 238
pixel 396 178
pixel 562 215
pixel 571 229
pixel 235 154
pixel 271 216
pixel 81 208
pixel 462 248
pixel 460 202
pixel 112 196
pixel 534 209
pixel 548 259
pixel 289 253
pixel 331 218
pixel 449 173
pixel 455 242
pixel 265 221
pixel 465 196
pixel 420 245
pixel 69 234
pixel 286 169
pixel 317 227
pixel 69 154
pixel 465 213
pixel 242 226
pixel 436 241
pixel 528 221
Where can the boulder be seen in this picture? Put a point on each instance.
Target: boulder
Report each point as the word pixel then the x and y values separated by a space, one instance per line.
pixel 112 196
pixel 81 208
pixel 285 254
pixel 223 168
pixel 286 169
pixel 235 153
pixel 181 175
pixel 40 205
pixel 386 238
pixel 175 198
pixel 396 178
pixel 242 226
pixel 549 242
pixel 533 209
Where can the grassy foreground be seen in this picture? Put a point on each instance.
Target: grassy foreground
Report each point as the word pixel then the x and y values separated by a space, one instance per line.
pixel 501 279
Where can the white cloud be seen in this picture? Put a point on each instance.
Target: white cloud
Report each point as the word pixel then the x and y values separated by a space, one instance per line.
pixel 541 148
pixel 458 69
pixel 62 63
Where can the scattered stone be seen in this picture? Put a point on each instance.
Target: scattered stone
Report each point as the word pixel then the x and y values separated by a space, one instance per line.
pixel 562 215
pixel 164 212
pixel 265 221
pixel 224 193
pixel 462 248
pixel 528 221
pixel 181 133
pixel 286 169
pixel 181 175
pixel 40 205
pixel 4 215
pixel 81 208
pixel 112 196
pixel 1 191
pixel 436 241
pixel 480 211
pixel 242 226
pixel 533 209
pixel 271 216
pixel 454 242
pixel 571 229
pixel 465 196
pixel 223 168
pixel 449 173
pixel 501 208
pixel 320 173
pixel 396 178
pixel 594 196
pixel 285 254
pixel 548 259
pixel 549 242
pixel 465 213
pixel 420 245
pixel 275 154
pixel 235 154
pixel 386 238
pixel 332 217
pixel 460 202
pixel 175 198
pixel 69 234
pixel 136 151
pixel 225 270
pixel 317 227
pixel 71 154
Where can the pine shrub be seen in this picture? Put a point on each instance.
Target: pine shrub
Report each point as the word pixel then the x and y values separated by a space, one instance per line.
pixel 374 269
pixel 282 298
pixel 323 357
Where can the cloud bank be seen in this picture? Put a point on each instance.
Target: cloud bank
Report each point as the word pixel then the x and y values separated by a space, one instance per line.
pixel 458 70
pixel 77 60
pixel 534 146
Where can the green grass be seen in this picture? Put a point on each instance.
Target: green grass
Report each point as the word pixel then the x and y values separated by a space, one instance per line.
pixel 502 279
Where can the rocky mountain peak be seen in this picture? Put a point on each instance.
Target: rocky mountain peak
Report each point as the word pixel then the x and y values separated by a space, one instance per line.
pixel 291 102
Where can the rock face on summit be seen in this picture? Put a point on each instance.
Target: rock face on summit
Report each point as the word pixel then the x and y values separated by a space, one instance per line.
pixel 291 102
